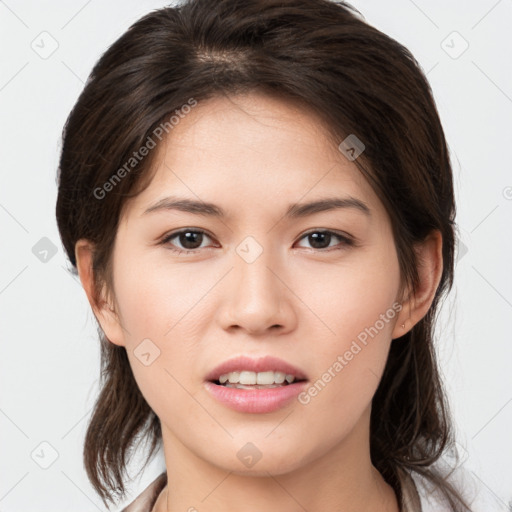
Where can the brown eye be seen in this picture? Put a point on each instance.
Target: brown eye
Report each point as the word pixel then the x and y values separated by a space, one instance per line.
pixel 322 239
pixel 190 240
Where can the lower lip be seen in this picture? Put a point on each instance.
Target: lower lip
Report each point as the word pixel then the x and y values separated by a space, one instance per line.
pixel 255 400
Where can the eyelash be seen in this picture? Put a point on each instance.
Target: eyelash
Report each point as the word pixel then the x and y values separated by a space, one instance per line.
pixel 346 240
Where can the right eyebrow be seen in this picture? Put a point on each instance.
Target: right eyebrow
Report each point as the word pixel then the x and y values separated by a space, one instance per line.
pixel 330 203
pixel 295 210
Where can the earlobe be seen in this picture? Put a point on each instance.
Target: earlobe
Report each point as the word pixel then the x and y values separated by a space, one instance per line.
pixel 103 310
pixel 429 261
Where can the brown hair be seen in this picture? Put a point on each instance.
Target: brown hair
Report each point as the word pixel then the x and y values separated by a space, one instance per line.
pixel 321 54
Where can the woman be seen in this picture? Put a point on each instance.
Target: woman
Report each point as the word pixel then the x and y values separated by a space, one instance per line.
pixel 257 197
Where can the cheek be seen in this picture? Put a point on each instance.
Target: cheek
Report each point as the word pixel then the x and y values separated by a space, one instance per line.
pixel 355 297
pixel 162 316
pixel 347 374
pixel 360 309
pixel 155 299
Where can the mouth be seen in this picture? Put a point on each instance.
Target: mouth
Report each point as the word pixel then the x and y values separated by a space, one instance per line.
pixel 246 379
pixel 244 372
pixel 255 385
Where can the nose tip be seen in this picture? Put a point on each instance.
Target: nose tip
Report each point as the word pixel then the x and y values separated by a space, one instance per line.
pixel 258 326
pixel 258 302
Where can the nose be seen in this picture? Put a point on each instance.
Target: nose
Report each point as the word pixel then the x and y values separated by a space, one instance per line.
pixel 257 300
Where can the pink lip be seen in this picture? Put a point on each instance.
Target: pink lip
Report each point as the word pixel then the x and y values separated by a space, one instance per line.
pixel 255 400
pixel 263 364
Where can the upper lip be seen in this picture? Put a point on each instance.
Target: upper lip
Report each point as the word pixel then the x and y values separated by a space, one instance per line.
pixel 262 364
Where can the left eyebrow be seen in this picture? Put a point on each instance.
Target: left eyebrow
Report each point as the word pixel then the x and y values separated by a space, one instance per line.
pixel 187 205
pixel 295 210
pixel 330 203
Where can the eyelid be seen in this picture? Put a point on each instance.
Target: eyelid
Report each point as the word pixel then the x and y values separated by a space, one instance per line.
pixel 341 234
pixel 346 239
pixel 168 236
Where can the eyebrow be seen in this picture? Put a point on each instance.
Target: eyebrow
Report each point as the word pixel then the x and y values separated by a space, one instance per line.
pixel 296 210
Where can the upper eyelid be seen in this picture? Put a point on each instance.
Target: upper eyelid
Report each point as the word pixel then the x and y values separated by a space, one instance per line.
pixel 327 230
pixel 344 237
pixel 339 234
pixel 172 234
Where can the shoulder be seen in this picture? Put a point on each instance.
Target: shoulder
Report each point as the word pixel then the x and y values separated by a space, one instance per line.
pixel 429 498
pixel 147 498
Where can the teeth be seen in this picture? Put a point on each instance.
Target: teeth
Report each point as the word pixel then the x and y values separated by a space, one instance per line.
pixel 233 377
pixel 247 378
pixel 279 377
pixel 252 378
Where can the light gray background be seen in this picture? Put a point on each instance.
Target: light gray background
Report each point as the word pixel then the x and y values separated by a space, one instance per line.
pixel 49 365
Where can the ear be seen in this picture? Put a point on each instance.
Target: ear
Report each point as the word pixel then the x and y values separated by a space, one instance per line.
pixel 429 254
pixel 103 309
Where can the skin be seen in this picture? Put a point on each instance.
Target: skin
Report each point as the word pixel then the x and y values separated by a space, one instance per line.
pixel 254 155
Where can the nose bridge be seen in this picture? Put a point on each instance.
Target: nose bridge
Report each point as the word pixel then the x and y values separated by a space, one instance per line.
pixel 259 299
pixel 255 280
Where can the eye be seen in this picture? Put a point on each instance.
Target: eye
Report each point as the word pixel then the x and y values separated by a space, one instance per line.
pixel 321 239
pixel 190 240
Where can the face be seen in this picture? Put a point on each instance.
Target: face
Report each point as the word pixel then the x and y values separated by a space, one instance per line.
pixel 316 289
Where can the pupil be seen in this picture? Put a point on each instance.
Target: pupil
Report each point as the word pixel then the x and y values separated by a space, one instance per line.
pixel 190 237
pixel 316 236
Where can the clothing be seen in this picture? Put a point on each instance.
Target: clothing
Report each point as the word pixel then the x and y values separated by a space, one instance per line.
pixel 411 501
pixel 146 500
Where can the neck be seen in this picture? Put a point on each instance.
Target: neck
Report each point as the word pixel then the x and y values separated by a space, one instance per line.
pixel 343 479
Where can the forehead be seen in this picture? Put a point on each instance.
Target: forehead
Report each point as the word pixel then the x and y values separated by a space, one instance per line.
pixel 252 152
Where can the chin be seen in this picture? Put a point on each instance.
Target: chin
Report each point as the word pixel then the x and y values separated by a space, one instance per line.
pixel 264 468
pixel 272 458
